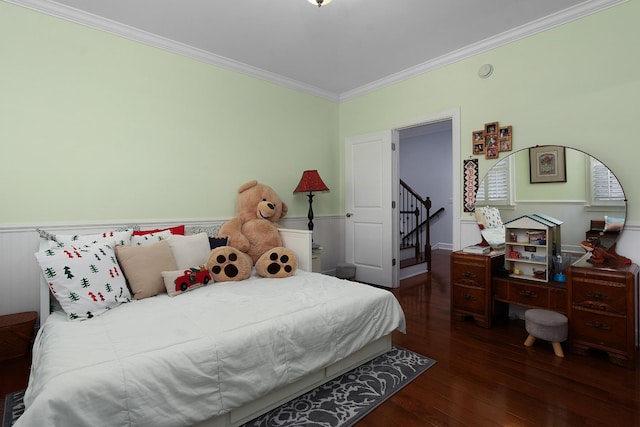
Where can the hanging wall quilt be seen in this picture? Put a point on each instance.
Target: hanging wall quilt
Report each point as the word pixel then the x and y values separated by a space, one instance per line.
pixel 470 171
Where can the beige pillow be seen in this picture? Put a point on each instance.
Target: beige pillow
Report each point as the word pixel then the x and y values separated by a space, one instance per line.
pixel 143 267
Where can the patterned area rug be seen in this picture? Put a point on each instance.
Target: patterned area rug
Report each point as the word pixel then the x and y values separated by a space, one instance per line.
pixel 13 408
pixel 345 400
pixel 338 403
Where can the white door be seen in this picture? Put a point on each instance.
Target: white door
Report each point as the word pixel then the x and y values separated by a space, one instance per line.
pixel 369 214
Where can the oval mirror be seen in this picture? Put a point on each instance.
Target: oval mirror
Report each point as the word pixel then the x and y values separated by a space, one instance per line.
pixel 568 185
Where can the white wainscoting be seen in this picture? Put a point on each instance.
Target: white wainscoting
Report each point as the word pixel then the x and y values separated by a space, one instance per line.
pixel 20 274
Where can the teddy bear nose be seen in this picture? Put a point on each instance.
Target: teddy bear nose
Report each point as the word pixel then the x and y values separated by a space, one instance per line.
pixel 271 206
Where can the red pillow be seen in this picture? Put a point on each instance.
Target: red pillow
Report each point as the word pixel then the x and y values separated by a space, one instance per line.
pixel 174 230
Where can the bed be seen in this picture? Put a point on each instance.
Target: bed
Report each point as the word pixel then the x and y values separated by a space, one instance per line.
pixel 219 355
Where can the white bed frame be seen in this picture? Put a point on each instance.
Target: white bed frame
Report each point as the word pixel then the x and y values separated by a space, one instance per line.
pixel 299 241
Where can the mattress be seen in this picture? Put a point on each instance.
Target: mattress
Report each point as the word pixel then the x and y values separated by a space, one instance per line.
pixel 166 361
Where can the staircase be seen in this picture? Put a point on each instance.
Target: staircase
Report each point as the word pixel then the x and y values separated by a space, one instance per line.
pixel 414 224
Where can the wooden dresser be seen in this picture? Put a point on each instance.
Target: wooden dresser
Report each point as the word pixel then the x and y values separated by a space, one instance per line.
pixel 603 310
pixel 471 285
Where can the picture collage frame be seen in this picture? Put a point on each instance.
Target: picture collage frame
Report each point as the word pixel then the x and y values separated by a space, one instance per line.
pixel 492 140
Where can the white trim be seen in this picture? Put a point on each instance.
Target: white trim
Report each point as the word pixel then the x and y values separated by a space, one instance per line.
pixel 103 24
pixel 76 225
pixel 452 114
pixel 554 20
pixel 559 18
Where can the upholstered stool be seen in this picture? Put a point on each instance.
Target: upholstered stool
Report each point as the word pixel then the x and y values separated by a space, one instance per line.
pixel 546 325
pixel 346 271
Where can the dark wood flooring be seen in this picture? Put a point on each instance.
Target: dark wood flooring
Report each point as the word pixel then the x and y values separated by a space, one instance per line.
pixel 486 377
pixel 483 377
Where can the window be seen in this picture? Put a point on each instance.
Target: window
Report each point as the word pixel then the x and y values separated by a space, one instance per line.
pixel 605 187
pixel 495 189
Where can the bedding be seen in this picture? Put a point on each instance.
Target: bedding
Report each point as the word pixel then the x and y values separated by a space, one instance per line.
pixel 164 361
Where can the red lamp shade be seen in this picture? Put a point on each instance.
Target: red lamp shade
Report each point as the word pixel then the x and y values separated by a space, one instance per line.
pixel 309 182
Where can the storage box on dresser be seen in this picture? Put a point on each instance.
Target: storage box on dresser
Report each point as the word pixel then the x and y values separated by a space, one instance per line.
pixel 603 310
pixel 471 285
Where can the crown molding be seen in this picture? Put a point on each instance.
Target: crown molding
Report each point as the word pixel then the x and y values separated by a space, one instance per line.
pixel 570 14
pixel 96 22
pixel 93 21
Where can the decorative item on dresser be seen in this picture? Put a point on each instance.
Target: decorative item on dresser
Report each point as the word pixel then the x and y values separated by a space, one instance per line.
pixel 603 310
pixel 471 285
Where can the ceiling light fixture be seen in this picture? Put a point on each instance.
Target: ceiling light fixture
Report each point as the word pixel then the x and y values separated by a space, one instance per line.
pixel 320 2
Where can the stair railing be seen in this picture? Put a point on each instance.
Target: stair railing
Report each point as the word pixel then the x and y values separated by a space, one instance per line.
pixel 415 224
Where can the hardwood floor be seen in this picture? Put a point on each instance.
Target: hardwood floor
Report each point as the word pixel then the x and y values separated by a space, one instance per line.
pixel 483 377
pixel 14 375
pixel 486 377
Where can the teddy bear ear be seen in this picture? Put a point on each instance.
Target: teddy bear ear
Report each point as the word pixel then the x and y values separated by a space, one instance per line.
pixel 285 209
pixel 247 185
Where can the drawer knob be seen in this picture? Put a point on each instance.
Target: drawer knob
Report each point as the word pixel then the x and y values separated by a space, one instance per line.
pixel 468 274
pixel 528 294
pixel 468 297
pixel 598 296
pixel 598 325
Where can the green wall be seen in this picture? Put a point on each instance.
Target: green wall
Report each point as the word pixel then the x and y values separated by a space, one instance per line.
pixel 576 85
pixel 97 127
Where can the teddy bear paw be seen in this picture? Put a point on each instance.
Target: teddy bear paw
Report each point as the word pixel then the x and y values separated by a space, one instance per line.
pixel 277 262
pixel 229 264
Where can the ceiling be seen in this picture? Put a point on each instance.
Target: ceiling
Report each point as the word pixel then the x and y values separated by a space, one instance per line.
pixel 337 51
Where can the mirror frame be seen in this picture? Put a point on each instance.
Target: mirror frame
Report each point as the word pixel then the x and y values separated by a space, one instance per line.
pixel 607 240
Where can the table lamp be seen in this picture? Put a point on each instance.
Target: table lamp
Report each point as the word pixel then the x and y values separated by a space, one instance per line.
pixel 309 183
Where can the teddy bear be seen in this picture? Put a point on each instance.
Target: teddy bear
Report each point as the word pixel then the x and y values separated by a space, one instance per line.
pixel 253 238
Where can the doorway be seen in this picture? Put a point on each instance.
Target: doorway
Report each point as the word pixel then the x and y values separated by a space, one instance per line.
pixel 387 192
pixel 424 168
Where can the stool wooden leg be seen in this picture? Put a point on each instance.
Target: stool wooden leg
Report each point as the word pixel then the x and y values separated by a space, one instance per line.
pixel 529 341
pixel 557 349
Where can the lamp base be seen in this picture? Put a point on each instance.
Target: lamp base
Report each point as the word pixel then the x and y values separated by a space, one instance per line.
pixel 310 214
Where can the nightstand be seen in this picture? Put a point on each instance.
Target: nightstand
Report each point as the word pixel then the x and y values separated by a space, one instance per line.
pixel 16 334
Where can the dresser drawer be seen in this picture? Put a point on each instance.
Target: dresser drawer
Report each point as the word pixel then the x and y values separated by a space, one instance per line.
pixel 609 297
pixel 469 299
pixel 528 295
pixel 469 274
pixel 602 330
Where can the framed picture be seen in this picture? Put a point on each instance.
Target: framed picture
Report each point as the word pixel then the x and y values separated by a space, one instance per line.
pixel 505 132
pixel 505 144
pixel 478 147
pixel 492 149
pixel 547 163
pixel 491 128
pixel 477 139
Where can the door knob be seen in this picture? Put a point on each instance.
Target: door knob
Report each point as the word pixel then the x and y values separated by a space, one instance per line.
pixel 349 215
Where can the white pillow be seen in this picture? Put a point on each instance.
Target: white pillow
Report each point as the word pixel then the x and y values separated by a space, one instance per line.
pixel 150 238
pixel 87 280
pixel 111 238
pixel 190 250
pixel 179 281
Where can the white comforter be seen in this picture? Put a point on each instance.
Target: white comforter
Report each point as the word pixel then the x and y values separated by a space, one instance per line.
pixel 175 361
